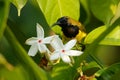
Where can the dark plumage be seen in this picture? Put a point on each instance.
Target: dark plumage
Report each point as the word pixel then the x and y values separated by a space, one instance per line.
pixel 71 28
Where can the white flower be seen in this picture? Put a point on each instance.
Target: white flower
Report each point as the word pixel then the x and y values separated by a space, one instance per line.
pixel 38 43
pixel 63 51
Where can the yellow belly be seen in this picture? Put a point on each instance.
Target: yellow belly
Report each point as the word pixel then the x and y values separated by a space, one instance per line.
pixel 79 37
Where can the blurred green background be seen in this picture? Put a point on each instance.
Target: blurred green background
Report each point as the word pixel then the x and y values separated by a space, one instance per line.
pixel 15 64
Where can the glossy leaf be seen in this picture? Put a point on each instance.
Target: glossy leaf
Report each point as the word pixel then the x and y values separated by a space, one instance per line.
pixel 54 9
pixel 104 12
pixel 113 38
pixel 19 4
pixel 4 11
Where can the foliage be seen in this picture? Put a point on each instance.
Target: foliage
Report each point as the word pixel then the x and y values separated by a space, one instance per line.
pixel 100 60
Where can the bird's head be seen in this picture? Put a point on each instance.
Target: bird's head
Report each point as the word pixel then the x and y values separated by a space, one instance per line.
pixel 62 22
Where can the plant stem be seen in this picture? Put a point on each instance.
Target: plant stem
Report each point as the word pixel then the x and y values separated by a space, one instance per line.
pixel 3 17
pixel 39 73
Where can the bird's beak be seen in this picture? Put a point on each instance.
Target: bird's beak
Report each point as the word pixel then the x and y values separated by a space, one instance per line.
pixel 54 24
pixel 57 23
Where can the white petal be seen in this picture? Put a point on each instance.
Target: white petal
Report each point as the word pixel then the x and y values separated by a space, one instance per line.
pixel 66 58
pixel 70 44
pixel 48 39
pixel 42 48
pixel 31 41
pixel 57 43
pixel 40 31
pixel 33 50
pixel 54 56
pixel 74 53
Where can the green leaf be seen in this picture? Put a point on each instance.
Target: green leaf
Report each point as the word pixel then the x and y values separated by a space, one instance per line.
pixel 9 72
pixel 54 9
pixel 117 14
pixel 4 11
pixel 17 72
pixel 113 38
pixel 19 4
pixel 63 71
pixel 90 68
pixel 4 63
pixel 104 10
pixel 91 65
pixel 116 76
pixel 110 73
pixel 87 11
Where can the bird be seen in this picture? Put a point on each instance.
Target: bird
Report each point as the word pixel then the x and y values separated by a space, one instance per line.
pixel 71 28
